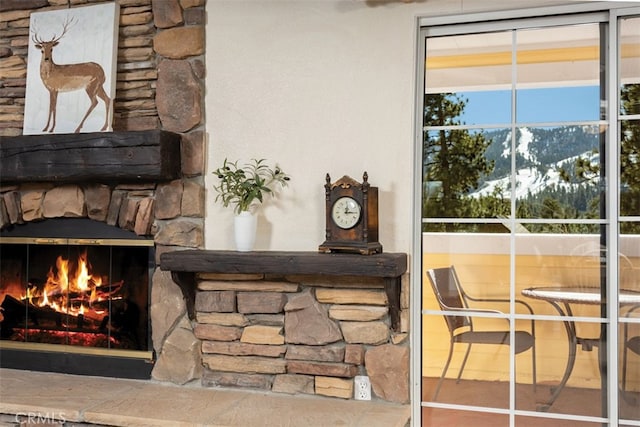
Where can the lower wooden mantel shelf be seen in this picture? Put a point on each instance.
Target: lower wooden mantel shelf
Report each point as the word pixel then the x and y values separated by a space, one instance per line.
pixel 184 265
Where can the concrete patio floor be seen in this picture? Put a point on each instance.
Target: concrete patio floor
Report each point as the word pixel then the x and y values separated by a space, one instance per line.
pixel 82 400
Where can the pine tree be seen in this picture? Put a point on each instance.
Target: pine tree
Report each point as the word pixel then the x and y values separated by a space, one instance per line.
pixel 453 158
pixel 630 156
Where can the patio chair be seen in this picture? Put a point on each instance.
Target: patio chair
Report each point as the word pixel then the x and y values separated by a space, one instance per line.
pixel 452 297
pixel 630 343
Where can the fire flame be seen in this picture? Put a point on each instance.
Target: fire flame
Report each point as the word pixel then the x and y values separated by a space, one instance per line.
pixel 70 290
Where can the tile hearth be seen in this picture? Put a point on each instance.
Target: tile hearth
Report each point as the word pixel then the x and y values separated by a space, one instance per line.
pixel 82 400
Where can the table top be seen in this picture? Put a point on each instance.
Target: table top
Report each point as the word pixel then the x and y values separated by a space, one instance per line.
pixel 578 294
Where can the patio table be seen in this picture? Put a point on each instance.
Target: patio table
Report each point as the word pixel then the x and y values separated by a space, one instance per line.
pixel 561 298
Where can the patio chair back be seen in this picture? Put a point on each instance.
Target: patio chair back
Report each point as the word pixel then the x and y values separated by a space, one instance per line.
pixel 446 288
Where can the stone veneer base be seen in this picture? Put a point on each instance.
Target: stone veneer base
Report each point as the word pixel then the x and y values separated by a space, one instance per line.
pixel 295 333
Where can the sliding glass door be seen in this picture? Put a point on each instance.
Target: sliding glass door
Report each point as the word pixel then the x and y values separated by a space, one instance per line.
pixel 530 305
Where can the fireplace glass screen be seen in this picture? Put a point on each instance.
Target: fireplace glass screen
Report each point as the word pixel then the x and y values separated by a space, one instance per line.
pixel 80 293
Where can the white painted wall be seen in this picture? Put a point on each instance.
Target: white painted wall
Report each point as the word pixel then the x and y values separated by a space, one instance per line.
pixel 319 86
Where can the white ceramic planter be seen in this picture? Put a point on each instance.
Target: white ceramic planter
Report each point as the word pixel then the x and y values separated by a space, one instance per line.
pixel 245 231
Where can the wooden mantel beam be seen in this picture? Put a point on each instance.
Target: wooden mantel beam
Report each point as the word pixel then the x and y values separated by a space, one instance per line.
pixel 131 156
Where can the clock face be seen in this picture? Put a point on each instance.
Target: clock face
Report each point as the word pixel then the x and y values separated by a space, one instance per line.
pixel 346 212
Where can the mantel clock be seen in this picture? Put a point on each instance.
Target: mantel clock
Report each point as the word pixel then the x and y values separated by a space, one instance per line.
pixel 351 216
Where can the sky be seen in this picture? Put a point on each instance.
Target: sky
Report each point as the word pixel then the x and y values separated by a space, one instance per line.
pixel 579 103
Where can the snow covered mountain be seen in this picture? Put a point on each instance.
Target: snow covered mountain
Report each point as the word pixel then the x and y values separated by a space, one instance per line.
pixel 540 155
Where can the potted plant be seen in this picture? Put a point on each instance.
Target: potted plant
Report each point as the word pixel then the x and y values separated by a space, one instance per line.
pixel 245 187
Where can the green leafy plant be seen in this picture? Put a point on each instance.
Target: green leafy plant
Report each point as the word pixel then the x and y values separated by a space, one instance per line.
pixel 247 184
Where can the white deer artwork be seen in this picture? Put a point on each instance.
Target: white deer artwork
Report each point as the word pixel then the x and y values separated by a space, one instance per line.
pixel 71 70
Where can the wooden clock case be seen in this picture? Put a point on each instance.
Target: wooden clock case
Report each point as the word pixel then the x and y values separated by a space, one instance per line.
pixel 362 238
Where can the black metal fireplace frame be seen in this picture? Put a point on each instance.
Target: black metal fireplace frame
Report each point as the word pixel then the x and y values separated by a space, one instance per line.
pixel 69 359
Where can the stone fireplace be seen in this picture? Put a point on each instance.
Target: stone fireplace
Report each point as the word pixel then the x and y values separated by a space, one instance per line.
pixel 158 115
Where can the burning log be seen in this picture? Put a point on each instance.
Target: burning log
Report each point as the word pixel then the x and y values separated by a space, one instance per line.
pixel 15 310
pixel 13 316
pixel 109 290
pixel 101 292
pixel 95 299
pixel 18 314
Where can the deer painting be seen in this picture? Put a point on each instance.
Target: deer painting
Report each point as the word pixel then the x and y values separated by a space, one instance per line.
pixel 69 77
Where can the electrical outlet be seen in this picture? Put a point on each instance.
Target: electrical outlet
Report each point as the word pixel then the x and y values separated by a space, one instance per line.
pixel 362 388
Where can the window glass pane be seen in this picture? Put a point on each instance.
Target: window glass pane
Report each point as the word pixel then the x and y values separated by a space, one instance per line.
pixel 629 260
pixel 630 65
pixel 558 104
pixel 466 173
pixel 630 99
pixel 558 172
pixel 629 362
pixel 629 349
pixel 630 165
pixel 484 377
pixel 466 63
pixel 568 377
pixel 558 74
pixel 560 274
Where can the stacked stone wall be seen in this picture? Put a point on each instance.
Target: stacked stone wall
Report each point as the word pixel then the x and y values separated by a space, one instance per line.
pixel 145 209
pixel 300 335
pixel 159 85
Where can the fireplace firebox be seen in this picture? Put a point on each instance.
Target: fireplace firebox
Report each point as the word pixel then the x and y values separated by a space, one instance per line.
pixel 74 298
